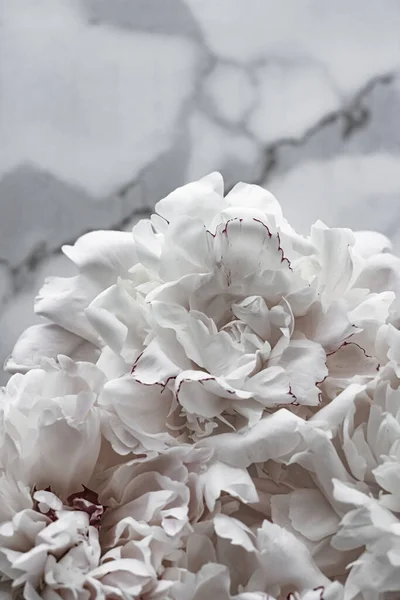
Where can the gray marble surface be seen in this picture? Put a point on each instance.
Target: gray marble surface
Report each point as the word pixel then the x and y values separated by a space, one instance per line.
pixel 107 105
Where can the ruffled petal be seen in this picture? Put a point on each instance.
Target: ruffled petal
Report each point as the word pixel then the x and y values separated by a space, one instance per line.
pixel 64 301
pixel 140 410
pixel 119 321
pixel 273 437
pixel 304 362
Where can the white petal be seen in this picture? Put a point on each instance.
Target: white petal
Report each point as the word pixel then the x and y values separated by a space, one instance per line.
pixel 255 313
pixel 205 395
pixel 351 360
pixel 221 477
pixel 381 273
pixel 320 458
pixel 273 437
pixel 47 341
pixel 271 387
pixel 235 531
pixel 330 327
pixel 202 199
pixel 66 455
pixel 202 343
pixel 340 267
pixel 286 560
pixel 186 249
pixel 311 515
pixel 254 196
pixel 103 256
pixel 331 416
pixel 154 366
pixel 305 366
pixel 200 551
pixel 369 243
pixel 63 300
pixel 148 244
pixel 118 318
pixel 246 246
pixel 141 410
pixel 212 581
pixel 372 312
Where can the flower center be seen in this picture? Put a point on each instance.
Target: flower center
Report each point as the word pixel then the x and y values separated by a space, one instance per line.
pixel 84 501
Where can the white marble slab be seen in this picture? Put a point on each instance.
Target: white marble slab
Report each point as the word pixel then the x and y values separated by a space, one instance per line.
pixel 108 105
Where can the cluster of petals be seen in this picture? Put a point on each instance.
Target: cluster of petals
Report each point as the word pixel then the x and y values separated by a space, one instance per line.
pixel 210 409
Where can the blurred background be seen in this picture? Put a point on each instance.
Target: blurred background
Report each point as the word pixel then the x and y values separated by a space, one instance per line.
pixel 107 105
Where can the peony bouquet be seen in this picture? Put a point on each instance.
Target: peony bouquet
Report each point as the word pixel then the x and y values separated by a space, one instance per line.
pixel 210 411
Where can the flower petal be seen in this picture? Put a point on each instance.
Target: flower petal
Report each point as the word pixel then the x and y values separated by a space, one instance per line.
pixel 235 531
pixel 63 300
pixel 245 246
pixel 141 410
pixel 47 341
pixel 202 199
pixel 340 267
pixel 118 318
pixel 273 437
pixel 305 366
pixel 220 477
pixel 311 514
pixel 103 256
pixel 369 243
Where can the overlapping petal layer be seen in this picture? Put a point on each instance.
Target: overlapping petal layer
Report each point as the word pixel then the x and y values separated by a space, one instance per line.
pixel 211 410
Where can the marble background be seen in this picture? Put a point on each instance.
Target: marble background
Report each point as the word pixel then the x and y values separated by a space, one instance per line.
pixel 107 105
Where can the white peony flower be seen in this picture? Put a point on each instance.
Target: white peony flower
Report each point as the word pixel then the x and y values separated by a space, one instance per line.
pixel 237 314
pixel 211 410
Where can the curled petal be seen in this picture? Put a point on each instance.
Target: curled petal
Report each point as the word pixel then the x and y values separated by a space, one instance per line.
pixel 47 341
pixel 340 267
pixel 222 477
pixel 63 301
pixel 139 410
pixel 207 396
pixel 103 256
